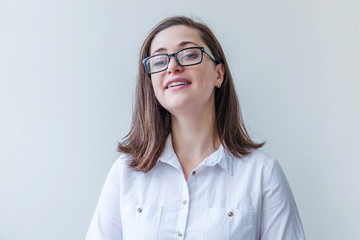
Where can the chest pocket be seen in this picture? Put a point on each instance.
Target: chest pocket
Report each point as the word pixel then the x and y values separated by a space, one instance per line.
pixel 140 222
pixel 222 223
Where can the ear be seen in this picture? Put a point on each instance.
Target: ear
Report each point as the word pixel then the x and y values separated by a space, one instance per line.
pixel 220 72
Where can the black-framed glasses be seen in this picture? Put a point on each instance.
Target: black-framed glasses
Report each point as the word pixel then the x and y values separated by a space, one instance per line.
pixel 184 57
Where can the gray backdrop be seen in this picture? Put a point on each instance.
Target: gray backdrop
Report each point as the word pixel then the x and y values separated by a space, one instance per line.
pixel 68 69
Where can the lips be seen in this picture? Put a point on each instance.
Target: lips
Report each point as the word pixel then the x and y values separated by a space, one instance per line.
pixel 177 82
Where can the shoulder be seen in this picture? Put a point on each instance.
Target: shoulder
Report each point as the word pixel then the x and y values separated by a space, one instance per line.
pixel 120 166
pixel 272 173
pixel 121 169
pixel 120 162
pixel 258 158
pixel 257 163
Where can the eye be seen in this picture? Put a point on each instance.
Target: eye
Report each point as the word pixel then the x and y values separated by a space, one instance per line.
pixel 159 63
pixel 191 56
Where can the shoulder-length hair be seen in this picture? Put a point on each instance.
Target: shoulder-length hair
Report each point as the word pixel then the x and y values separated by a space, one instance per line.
pixel 151 123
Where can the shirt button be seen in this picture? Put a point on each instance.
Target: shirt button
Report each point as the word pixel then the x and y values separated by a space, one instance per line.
pixel 184 202
pixel 139 210
pixel 230 214
pixel 194 173
pixel 180 234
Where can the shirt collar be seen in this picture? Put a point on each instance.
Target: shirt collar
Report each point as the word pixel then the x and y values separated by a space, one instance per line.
pixel 220 157
pixel 168 155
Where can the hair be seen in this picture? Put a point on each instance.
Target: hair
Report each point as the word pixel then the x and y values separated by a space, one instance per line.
pixel 151 123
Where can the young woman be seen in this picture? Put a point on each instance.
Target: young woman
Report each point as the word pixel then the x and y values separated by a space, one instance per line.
pixel 188 168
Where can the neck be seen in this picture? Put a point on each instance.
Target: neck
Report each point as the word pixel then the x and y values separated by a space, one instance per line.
pixel 194 137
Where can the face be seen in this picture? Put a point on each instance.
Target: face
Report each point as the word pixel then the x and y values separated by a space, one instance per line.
pixel 184 89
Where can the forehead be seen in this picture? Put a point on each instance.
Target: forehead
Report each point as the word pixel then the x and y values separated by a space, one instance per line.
pixel 171 37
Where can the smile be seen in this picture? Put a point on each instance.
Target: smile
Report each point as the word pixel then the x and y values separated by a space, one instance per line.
pixel 174 84
pixel 177 82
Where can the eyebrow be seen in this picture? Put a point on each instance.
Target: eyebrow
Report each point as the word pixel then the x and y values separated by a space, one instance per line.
pixel 182 44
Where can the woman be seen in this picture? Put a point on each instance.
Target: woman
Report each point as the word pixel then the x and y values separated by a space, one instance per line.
pixel 188 168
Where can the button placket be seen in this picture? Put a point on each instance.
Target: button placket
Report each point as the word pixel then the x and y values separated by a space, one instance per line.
pixel 191 182
pixel 183 212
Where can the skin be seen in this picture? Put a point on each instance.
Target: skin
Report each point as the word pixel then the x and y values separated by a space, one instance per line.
pixel 192 107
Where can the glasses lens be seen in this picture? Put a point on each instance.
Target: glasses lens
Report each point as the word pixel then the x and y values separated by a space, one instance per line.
pixel 189 56
pixel 157 63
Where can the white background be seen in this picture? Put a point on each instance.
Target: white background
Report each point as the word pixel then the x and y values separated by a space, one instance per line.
pixel 67 80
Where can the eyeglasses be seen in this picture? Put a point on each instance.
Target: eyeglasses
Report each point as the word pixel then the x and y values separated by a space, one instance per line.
pixel 184 57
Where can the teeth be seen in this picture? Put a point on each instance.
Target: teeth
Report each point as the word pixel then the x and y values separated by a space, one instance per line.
pixel 173 84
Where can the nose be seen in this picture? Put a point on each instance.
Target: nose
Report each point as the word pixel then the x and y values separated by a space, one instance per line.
pixel 174 66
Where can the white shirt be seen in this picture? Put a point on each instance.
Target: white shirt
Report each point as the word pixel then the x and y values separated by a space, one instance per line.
pixel 225 197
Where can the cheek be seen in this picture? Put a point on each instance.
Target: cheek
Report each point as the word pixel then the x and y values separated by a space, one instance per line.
pixel 207 74
pixel 157 88
pixel 208 81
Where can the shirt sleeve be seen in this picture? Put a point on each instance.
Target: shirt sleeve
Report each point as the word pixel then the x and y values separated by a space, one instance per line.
pixel 106 222
pixel 280 219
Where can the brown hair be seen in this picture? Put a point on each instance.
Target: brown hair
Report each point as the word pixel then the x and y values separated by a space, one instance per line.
pixel 151 123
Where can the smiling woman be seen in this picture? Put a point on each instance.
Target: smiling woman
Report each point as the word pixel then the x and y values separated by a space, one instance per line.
pixel 188 168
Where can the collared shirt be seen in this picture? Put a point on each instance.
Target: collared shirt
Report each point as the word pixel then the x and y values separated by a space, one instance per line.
pixel 225 197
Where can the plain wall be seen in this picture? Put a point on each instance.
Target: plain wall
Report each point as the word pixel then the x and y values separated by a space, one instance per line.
pixel 67 80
